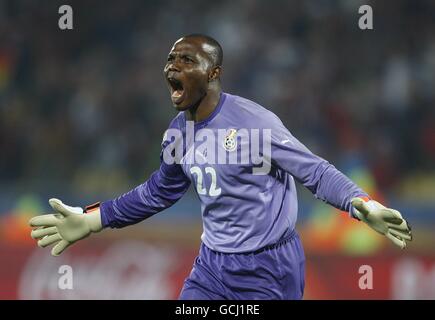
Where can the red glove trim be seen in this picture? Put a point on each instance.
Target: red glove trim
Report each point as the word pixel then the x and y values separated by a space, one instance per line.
pixel 92 207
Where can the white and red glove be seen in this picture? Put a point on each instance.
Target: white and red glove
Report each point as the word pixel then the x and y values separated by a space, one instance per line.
pixel 65 226
pixel 386 221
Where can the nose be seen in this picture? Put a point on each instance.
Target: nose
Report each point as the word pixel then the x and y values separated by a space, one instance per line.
pixel 172 66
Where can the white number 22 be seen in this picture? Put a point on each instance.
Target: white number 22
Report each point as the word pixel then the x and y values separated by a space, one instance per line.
pixel 213 191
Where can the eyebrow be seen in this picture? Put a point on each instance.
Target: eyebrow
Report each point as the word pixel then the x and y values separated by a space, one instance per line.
pixel 182 54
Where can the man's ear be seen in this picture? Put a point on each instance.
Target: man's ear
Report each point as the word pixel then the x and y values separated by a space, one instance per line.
pixel 215 73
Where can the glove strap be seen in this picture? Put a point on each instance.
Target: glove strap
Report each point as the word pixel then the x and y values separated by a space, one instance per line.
pixel 92 207
pixel 366 199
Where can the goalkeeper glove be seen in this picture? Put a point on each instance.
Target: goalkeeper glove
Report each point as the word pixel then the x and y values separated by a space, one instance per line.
pixel 66 226
pixel 388 222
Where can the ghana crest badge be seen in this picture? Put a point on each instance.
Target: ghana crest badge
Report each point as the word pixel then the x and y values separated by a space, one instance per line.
pixel 230 142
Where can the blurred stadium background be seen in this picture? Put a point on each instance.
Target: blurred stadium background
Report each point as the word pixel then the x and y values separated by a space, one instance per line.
pixel 82 113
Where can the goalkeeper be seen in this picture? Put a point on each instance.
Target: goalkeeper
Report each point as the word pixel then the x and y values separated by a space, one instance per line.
pixel 250 249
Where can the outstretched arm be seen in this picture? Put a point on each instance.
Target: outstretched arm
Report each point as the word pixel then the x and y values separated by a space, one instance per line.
pixel 165 187
pixel 68 225
pixel 330 185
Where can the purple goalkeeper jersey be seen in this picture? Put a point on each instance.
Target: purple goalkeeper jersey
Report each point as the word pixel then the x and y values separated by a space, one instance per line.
pixel 243 163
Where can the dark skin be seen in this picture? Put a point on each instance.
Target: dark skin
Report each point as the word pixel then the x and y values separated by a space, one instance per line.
pixel 193 78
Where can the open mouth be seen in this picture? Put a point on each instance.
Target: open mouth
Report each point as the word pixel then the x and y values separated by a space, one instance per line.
pixel 177 90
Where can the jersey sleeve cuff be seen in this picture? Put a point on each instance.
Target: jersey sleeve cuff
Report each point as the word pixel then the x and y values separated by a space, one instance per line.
pixel 107 214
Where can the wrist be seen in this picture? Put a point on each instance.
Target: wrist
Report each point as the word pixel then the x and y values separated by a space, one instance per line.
pixel 355 212
pixel 93 217
pixel 94 220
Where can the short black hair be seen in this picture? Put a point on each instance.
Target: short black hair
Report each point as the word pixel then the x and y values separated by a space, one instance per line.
pixel 217 54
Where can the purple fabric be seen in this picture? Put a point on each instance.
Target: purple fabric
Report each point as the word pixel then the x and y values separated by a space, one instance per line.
pixel 274 273
pixel 245 212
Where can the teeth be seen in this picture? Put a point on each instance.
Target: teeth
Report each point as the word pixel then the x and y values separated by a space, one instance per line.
pixel 177 93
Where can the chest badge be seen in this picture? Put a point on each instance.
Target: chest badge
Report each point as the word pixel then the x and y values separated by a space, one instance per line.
pixel 230 142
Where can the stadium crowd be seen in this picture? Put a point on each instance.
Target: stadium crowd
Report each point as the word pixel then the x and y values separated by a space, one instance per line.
pixel 90 105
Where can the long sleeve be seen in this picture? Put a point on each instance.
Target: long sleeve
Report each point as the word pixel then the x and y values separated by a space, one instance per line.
pixel 315 173
pixel 164 187
pixel 159 192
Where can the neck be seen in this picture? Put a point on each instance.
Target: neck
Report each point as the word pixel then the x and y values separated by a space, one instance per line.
pixel 205 107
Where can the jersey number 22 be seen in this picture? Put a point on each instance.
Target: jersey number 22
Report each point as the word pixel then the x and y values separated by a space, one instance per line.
pixel 214 191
